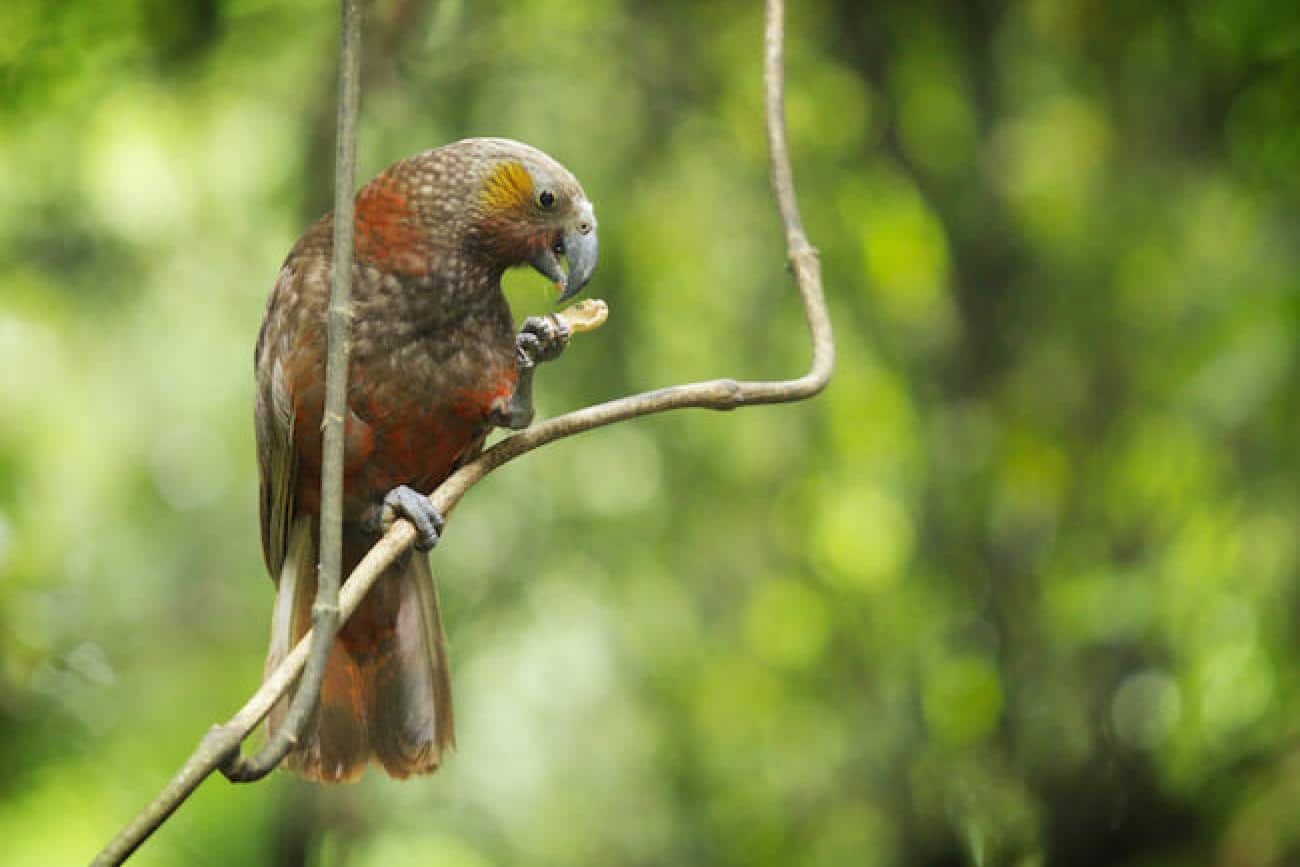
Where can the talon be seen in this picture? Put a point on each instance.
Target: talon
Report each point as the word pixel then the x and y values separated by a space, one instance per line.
pixel 542 338
pixel 530 349
pixel 404 502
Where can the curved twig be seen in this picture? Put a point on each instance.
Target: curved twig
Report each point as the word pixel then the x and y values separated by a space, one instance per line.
pixel 720 394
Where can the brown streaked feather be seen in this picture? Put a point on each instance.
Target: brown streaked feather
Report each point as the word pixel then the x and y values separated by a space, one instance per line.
pixel 334 745
pixel 286 618
pixel 413 722
pixel 273 417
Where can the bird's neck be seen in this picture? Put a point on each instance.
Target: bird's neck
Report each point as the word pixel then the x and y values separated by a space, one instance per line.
pixel 444 327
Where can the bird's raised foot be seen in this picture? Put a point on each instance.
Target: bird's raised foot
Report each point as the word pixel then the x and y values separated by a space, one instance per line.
pixel 405 502
pixel 541 338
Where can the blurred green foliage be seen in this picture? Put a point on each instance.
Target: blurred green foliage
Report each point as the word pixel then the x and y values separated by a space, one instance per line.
pixel 1019 588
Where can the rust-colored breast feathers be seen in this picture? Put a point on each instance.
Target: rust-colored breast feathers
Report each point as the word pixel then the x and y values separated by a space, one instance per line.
pixel 388 234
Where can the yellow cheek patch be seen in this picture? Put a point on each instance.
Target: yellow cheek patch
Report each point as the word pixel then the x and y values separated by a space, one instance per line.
pixel 509 187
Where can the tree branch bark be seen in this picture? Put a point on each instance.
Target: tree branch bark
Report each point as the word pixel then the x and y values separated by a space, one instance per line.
pixel 325 609
pixel 719 394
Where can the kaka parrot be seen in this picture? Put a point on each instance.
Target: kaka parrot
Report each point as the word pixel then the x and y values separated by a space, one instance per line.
pixel 435 364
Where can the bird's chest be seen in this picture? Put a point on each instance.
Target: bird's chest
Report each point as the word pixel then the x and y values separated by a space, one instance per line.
pixel 417 407
pixel 429 368
pixel 400 430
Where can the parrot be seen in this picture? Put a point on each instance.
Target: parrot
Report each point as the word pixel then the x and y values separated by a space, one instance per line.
pixel 436 364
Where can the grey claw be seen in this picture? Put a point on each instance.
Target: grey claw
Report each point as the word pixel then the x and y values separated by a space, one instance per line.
pixel 405 502
pixel 530 349
pixel 542 338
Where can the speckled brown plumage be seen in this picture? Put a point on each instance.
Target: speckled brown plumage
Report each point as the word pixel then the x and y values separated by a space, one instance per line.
pixel 433 364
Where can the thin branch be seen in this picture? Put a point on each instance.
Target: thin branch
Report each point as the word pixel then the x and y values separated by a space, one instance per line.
pixel 325 610
pixel 720 394
pixel 222 747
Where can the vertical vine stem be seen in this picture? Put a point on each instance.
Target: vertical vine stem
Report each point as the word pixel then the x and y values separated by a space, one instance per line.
pixel 216 748
pixel 325 611
pixel 220 748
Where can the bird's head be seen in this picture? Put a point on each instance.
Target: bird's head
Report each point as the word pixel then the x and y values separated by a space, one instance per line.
pixel 481 203
pixel 532 210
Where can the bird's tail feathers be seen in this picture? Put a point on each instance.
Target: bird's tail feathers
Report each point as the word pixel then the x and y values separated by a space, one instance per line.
pixel 412 720
pixel 387 686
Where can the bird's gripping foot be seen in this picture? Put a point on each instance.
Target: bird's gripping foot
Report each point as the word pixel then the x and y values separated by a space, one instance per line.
pixel 405 502
pixel 542 338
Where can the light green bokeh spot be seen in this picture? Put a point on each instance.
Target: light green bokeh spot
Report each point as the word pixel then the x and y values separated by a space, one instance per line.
pixel 962 699
pixel 863 536
pixel 787 624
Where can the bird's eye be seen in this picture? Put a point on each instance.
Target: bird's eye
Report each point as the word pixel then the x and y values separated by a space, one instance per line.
pixel 546 199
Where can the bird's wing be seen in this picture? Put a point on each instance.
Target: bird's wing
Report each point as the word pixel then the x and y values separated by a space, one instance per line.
pixel 277 459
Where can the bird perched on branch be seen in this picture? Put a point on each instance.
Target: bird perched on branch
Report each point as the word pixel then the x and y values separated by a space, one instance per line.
pixel 435 364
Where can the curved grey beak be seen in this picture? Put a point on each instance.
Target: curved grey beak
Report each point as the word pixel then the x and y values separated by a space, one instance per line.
pixel 579 247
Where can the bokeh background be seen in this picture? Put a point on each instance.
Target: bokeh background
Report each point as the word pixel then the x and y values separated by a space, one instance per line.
pixel 1020 588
